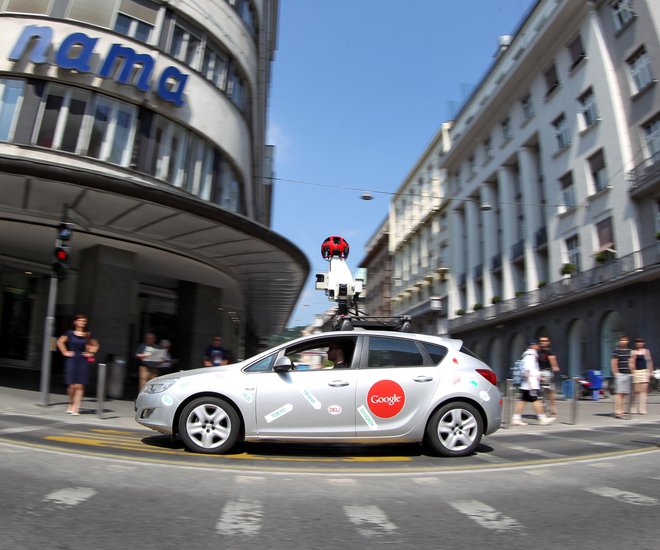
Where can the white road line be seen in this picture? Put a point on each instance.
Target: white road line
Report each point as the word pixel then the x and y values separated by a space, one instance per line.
pixel 249 480
pixel 370 521
pixel 537 452
pixel 240 517
pixel 71 496
pixel 623 496
pixel 487 457
pixel 19 430
pixel 426 480
pixel 341 482
pixel 486 515
pixel 602 465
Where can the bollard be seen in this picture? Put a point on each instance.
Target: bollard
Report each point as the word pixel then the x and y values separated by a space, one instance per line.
pixel 508 404
pixel 576 398
pixel 100 390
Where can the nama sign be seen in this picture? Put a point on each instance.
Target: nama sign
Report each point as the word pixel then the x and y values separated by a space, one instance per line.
pixel 122 64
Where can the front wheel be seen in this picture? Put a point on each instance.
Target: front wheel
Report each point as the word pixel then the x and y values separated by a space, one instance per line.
pixel 209 425
pixel 455 429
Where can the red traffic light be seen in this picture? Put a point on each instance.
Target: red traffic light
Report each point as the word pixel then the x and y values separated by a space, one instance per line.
pixel 62 254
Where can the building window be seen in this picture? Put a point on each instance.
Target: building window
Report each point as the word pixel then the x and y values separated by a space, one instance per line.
pixel 605 233
pixel 573 251
pixel 588 111
pixel 488 149
pixel 61 116
pixel 527 106
pixel 136 19
pixel 562 132
pixel 214 67
pixel 576 51
pixel 506 129
pixel 598 171
pixel 11 99
pixel 236 89
pixel 652 138
pixel 28 6
pixel 185 45
pixel 567 192
pixel 112 131
pixel 551 80
pixel 639 68
pixel 472 168
pixel 623 13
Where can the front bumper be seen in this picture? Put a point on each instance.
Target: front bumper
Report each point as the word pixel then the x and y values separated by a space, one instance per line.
pixel 155 411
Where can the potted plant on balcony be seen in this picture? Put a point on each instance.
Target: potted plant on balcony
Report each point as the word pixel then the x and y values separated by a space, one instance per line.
pixel 477 306
pixel 542 284
pixel 496 299
pixel 604 256
pixel 568 269
pixel 460 312
pixel 520 293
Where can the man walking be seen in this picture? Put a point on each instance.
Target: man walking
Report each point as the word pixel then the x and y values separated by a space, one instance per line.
pixel 530 386
pixel 549 369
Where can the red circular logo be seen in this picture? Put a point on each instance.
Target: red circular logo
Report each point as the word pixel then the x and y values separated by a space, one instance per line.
pixel 386 399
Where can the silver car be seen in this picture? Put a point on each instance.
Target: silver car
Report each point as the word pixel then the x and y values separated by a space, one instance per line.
pixel 393 387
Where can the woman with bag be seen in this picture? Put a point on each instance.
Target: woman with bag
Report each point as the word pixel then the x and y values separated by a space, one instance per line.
pixel 641 362
pixel 79 348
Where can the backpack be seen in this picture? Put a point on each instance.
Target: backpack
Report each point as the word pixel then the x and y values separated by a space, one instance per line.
pixel 517 372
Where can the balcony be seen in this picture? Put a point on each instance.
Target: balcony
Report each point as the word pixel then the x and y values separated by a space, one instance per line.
pixel 644 179
pixel 518 250
pixel 606 277
pixel 496 262
pixel 478 271
pixel 541 237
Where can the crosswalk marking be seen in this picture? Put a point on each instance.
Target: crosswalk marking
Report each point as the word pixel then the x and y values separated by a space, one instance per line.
pixel 19 429
pixel 370 521
pixel 486 516
pixel 623 496
pixel 240 517
pixel 249 480
pixel 537 452
pixel 342 482
pixel 71 496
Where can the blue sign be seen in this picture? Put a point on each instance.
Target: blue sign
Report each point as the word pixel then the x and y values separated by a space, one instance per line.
pixel 121 64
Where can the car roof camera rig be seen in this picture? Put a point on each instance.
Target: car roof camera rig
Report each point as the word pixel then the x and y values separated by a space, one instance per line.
pixel 340 286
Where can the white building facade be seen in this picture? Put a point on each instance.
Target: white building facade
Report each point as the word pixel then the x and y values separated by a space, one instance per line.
pixel 142 121
pixel 551 197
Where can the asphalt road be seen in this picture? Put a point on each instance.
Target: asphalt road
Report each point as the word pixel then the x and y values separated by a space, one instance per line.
pixel 501 450
pixel 59 500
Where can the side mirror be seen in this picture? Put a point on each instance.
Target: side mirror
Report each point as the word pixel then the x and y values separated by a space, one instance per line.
pixel 283 364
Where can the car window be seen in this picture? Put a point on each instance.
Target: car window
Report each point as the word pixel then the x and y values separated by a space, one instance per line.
pixel 437 353
pixel 263 365
pixel 393 352
pixel 314 355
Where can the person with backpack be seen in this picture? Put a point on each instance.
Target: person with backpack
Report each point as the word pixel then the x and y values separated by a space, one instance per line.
pixel 530 386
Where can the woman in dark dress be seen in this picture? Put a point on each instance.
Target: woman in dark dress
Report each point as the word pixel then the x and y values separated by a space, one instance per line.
pixel 78 347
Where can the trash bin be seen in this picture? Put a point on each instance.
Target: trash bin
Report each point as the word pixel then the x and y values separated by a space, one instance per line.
pixel 595 379
pixel 116 377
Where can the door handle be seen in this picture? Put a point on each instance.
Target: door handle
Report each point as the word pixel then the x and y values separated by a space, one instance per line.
pixel 423 378
pixel 338 383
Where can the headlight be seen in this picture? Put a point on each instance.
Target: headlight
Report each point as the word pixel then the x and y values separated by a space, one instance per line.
pixel 159 386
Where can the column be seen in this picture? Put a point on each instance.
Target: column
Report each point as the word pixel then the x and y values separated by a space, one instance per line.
pixel 489 235
pixel 533 219
pixel 473 251
pixel 456 260
pixel 505 186
pixel 107 293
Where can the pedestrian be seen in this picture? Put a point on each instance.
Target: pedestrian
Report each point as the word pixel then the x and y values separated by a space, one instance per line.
pixel 621 370
pixel 549 369
pixel 642 365
pixel 79 348
pixel 150 359
pixel 215 355
pixel 168 362
pixel 530 386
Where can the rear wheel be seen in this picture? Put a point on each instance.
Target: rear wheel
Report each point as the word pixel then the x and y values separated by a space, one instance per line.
pixel 209 425
pixel 455 429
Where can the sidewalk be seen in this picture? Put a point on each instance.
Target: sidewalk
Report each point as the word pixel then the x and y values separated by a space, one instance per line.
pixel 19 393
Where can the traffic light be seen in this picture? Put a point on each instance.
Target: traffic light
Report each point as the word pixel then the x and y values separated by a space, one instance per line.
pixel 61 263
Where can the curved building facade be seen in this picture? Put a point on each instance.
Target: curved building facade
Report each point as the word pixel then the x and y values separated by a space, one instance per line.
pixel 143 123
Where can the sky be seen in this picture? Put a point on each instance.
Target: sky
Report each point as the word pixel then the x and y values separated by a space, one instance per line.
pixel 359 88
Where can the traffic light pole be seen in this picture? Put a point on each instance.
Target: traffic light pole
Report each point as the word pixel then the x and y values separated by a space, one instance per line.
pixel 48 335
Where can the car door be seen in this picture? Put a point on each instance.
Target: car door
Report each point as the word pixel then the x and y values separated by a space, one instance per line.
pixel 315 403
pixel 395 386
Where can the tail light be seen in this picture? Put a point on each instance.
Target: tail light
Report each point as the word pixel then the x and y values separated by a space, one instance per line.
pixel 488 375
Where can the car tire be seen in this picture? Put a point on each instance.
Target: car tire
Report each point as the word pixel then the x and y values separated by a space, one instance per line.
pixel 209 425
pixel 455 429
